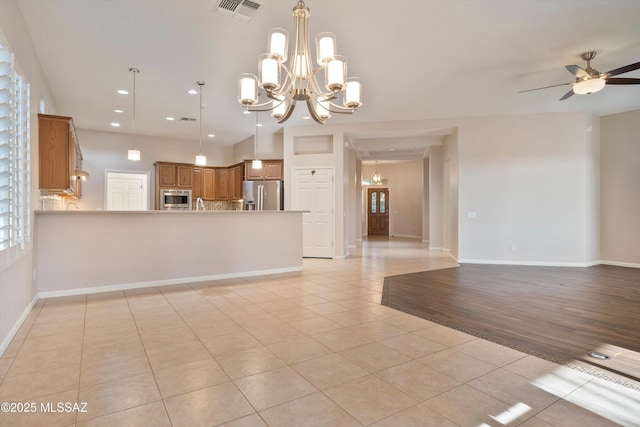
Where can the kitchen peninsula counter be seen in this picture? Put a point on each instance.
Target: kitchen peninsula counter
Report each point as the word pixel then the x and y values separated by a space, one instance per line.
pixel 82 251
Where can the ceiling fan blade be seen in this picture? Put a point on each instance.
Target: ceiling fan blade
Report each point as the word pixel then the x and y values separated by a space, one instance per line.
pixel 577 71
pixel 567 95
pixel 625 69
pixel 623 81
pixel 546 87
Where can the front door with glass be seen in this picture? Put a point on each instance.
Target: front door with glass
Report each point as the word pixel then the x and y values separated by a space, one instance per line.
pixel 378 212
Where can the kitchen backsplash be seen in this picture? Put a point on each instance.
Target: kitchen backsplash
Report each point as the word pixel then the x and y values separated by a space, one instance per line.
pixel 220 205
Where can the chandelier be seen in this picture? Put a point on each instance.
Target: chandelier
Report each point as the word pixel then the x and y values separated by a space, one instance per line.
pixel 326 88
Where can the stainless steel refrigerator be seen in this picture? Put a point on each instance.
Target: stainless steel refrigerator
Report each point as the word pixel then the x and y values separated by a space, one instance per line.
pixel 262 195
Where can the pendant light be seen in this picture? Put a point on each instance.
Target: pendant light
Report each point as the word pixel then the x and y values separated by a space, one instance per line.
pixel 200 159
pixel 134 154
pixel 376 178
pixel 256 163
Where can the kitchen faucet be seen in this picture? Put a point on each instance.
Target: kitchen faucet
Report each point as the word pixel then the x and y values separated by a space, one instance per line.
pixel 199 204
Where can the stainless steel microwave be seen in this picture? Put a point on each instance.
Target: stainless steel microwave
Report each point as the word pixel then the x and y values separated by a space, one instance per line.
pixel 175 199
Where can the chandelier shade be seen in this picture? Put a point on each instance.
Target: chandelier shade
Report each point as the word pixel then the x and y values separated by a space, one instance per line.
pixel 286 74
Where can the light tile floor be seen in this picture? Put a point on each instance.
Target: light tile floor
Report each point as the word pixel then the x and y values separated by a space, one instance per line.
pixel 307 349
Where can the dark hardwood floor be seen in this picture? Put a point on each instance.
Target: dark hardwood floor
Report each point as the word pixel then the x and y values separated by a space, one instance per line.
pixel 558 313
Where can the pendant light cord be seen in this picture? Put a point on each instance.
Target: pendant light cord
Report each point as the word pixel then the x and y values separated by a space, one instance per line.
pixel 255 140
pixel 134 71
pixel 200 84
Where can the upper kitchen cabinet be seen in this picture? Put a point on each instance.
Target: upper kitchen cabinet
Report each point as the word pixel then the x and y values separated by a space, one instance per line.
pixel 271 170
pixel 60 156
pixel 222 184
pixel 198 190
pixel 174 175
pixel 236 176
pixel 209 184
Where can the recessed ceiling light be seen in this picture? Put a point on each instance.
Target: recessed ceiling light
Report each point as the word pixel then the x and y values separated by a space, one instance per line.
pixel 192 92
pixel 118 111
pixel 306 117
pixel 259 125
pixel 246 112
pixel 170 119
pixel 115 124
pixel 123 92
pixel 211 135
pixel 391 149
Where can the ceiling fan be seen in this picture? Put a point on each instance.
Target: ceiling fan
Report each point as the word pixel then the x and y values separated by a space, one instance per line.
pixel 589 80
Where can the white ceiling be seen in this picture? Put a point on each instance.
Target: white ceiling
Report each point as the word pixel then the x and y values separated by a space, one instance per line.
pixel 418 59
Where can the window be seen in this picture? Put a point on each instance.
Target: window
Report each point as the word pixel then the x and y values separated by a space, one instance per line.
pixel 15 186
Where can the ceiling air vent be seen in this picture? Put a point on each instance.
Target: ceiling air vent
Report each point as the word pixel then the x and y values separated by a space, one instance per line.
pixel 239 9
pixel 187 119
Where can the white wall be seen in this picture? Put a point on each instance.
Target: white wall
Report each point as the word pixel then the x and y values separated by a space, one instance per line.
pixel 620 208
pixel 425 199
pixel 331 138
pixel 16 290
pixel 104 151
pixel 531 182
pixel 450 146
pixel 436 199
pixel 355 182
pixel 269 147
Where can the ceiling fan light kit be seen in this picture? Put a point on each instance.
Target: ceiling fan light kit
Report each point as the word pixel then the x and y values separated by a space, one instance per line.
pixel 284 82
pixel 586 87
pixel 589 80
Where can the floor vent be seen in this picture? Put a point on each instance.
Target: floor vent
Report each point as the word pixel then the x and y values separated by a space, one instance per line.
pixel 243 10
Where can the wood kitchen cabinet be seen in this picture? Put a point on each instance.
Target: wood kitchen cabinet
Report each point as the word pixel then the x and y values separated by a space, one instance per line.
pixel 204 183
pixel 198 181
pixel 271 170
pixel 209 184
pixel 174 175
pixel 60 155
pixel 222 184
pixel 236 176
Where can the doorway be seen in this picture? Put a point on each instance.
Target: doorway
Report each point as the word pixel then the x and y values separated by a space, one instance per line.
pixel 127 191
pixel 378 211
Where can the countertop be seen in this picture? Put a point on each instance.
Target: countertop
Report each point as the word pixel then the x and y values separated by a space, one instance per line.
pixel 158 212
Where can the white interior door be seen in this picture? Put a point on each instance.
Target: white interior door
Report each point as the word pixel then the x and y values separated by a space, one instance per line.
pixel 313 192
pixel 127 191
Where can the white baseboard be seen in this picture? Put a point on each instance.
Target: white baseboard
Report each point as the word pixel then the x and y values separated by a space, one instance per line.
pixel 12 333
pixel 621 264
pixel 532 263
pixel 436 248
pixel 167 282
pixel 406 236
